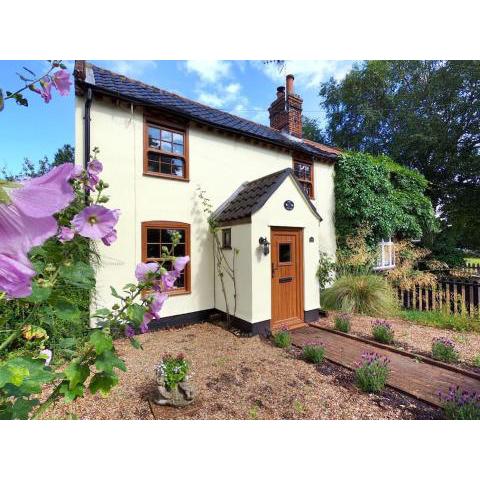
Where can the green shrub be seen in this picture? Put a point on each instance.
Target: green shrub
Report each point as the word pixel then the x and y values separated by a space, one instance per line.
pixel 460 404
pixel 342 322
pixel 476 361
pixel 442 319
pixel 314 352
pixel 443 349
pixel 174 369
pixel 382 331
pixel 372 372
pixel 282 338
pixel 366 294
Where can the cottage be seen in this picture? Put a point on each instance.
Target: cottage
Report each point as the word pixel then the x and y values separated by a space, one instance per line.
pixel 272 194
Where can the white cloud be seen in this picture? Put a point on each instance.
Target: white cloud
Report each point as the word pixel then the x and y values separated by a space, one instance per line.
pixel 233 88
pixel 131 68
pixel 209 70
pixel 211 99
pixel 308 73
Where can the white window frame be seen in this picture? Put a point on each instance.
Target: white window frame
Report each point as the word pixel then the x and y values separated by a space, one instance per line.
pixel 386 255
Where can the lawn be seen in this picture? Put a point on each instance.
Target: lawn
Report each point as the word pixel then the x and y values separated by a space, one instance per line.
pixel 474 260
pixel 238 378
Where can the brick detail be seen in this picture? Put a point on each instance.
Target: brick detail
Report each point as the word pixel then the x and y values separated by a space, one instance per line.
pixel 286 112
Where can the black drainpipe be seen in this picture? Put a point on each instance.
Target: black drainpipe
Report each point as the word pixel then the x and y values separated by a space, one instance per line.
pixel 86 132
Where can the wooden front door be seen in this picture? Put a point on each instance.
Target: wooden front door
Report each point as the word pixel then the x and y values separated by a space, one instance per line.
pixel 287 277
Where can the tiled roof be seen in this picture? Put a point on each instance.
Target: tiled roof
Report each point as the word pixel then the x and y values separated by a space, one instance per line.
pixel 118 85
pixel 251 196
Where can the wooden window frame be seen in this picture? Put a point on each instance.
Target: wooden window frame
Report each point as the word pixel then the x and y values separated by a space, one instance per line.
pixel 301 180
pixel 229 246
pixel 386 255
pixel 171 127
pixel 168 225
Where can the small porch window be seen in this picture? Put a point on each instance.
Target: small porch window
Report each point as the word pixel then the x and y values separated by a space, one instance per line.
pixel 227 238
pixel 386 255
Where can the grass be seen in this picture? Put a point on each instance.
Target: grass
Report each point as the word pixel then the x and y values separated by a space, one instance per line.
pixel 314 353
pixel 282 339
pixel 474 260
pixel 440 319
pixel 365 294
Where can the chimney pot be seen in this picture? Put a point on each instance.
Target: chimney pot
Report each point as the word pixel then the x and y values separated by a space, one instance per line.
pixel 280 91
pixel 290 79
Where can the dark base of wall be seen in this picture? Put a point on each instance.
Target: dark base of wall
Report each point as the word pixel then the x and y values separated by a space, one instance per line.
pixel 181 320
pixel 258 328
pixel 311 315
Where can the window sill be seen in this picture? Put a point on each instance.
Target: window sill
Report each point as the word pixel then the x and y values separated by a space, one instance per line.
pixel 390 267
pixel 168 177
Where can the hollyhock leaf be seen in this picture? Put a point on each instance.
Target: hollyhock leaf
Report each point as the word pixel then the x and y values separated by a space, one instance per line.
pixel 76 373
pixel 70 394
pixel 101 341
pixel 107 361
pixel 66 310
pixel 115 293
pixel 22 408
pixel 79 274
pixel 39 294
pixel 135 343
pixel 102 383
pixel 135 313
pixel 101 313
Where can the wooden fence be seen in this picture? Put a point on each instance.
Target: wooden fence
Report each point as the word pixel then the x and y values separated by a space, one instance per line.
pixel 450 295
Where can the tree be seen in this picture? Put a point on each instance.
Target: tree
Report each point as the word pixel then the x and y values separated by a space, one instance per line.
pixel 311 130
pixel 425 115
pixel 375 192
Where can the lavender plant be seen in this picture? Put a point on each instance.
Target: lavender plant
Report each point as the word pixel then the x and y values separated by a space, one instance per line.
pixel 382 331
pixel 314 352
pixel 282 338
pixel 372 372
pixel 443 349
pixel 342 322
pixel 173 369
pixel 459 404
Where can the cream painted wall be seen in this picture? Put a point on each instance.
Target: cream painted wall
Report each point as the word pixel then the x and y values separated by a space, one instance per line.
pixel 241 240
pixel 218 164
pixel 273 214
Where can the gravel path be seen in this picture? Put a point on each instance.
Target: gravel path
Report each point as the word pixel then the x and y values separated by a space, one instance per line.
pixel 235 378
pixel 415 337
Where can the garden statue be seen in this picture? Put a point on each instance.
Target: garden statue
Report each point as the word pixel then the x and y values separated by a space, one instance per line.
pixel 173 387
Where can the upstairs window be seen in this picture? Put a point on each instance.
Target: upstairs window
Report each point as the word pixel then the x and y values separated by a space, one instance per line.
pixel 386 255
pixel 157 240
pixel 165 151
pixel 303 171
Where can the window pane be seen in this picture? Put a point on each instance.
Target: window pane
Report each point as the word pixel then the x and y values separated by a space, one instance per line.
pixel 178 148
pixel 166 135
pixel 166 165
pixel 284 253
pixel 307 188
pixel 180 283
pixel 153 250
pixel 154 137
pixel 178 138
pixel 153 162
pixel 166 146
pixel 177 167
pixel 153 235
pixel 180 250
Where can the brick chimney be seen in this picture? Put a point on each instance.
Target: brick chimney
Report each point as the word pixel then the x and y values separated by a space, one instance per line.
pixel 286 110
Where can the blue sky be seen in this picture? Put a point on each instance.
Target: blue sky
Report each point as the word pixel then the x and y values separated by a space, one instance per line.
pixel 244 88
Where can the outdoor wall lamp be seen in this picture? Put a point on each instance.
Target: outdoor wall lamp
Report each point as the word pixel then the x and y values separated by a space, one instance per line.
pixel 265 245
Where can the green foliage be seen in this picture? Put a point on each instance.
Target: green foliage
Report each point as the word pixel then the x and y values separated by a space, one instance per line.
pixel 282 339
pixel 444 351
pixel 371 375
pixel 424 114
pixel 314 353
pixel 342 322
pixel 375 191
pixel 382 332
pixel 325 270
pixel 311 130
pixel 460 404
pixel 365 294
pixel 174 370
pixel 442 319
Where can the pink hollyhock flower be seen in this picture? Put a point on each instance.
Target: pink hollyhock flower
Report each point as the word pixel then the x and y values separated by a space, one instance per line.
pixel 169 279
pixel 94 168
pixel 16 276
pixel 46 92
pixel 180 263
pixel 61 81
pixel 66 234
pixel 144 325
pixel 110 238
pixel 27 221
pixel 145 271
pixel 158 300
pixel 129 331
pixel 95 222
pixel 77 171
